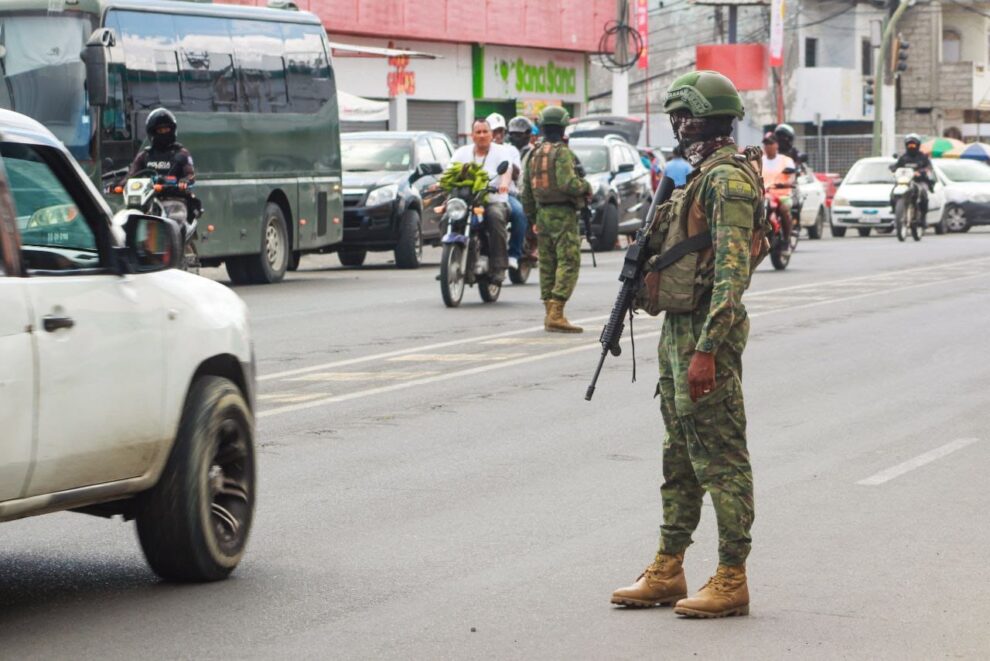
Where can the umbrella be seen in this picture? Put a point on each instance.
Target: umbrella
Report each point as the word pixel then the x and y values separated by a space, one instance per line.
pixel 977 151
pixel 936 147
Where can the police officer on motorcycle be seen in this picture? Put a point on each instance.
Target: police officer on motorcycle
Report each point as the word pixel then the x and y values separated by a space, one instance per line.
pixel 914 157
pixel 166 157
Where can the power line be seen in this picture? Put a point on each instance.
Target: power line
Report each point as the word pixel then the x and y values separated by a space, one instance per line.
pixel 969 9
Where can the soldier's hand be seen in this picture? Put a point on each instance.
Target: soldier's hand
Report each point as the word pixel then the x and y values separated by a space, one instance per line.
pixel 701 375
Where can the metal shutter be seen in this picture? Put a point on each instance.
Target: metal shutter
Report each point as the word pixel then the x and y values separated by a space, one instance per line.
pixel 433 116
pixel 353 127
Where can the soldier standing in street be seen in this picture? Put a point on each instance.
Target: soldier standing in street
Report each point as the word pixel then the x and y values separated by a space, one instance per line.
pixel 701 347
pixel 553 192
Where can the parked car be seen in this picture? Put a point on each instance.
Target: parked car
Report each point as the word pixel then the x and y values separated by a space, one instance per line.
pixel 967 194
pixel 620 186
pixel 386 206
pixel 127 385
pixel 599 126
pixel 863 199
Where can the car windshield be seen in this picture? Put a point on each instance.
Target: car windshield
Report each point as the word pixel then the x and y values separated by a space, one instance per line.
pixel 44 77
pixel 376 154
pixel 964 170
pixel 594 158
pixel 870 172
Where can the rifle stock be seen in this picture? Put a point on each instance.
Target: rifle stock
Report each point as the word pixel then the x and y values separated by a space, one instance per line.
pixel 630 276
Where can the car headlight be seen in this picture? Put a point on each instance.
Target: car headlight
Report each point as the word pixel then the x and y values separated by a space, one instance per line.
pixel 383 195
pixel 456 209
pixel 840 202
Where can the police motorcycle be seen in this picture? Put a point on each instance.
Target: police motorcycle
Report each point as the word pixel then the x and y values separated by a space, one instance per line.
pixel 905 198
pixel 780 249
pixel 464 260
pixel 148 193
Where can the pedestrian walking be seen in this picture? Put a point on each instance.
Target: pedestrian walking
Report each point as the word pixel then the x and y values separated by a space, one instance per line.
pixel 705 329
pixel 553 194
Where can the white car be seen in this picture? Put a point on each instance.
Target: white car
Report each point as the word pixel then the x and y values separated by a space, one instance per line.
pixel 967 193
pixel 862 201
pixel 126 387
pixel 810 193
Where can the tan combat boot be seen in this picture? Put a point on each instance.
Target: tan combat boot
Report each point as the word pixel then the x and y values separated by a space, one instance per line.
pixel 725 594
pixel 661 584
pixel 557 322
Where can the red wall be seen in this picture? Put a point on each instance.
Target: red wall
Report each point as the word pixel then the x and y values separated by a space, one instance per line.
pixel 556 24
pixel 744 64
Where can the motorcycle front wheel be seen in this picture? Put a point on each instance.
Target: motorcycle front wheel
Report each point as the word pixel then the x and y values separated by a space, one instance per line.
pixel 779 257
pixel 901 218
pixel 520 275
pixel 451 275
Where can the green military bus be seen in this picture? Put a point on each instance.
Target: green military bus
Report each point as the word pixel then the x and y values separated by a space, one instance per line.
pixel 253 91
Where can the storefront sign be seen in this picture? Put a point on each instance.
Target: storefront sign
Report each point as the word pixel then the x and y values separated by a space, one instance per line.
pixel 519 73
pixel 777 33
pixel 400 80
pixel 642 11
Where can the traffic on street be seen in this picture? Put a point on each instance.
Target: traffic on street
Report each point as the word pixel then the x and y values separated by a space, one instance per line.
pixel 288 370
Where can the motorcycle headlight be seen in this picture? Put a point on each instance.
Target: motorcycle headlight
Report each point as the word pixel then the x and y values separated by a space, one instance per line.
pixel 383 195
pixel 456 209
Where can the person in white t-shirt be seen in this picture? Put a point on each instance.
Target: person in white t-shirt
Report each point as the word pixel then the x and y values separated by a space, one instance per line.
pixel 778 177
pixel 489 155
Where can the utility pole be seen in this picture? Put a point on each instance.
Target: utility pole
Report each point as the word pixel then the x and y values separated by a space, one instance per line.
pixel 620 79
pixel 885 110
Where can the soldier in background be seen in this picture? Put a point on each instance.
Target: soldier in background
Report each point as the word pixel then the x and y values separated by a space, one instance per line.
pixel 553 193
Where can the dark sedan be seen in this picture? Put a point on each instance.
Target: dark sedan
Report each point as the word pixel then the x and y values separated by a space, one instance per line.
pixel 620 185
pixel 386 203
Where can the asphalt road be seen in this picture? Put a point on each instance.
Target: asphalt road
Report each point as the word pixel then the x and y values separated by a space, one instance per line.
pixel 433 484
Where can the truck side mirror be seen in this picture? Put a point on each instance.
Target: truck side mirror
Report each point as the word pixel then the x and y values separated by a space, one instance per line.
pixel 95 57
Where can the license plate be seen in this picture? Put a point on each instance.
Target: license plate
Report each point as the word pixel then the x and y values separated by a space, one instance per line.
pixel 871 219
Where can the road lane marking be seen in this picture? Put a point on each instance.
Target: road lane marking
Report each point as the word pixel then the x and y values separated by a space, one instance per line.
pixel 919 461
pixel 562 352
pixel 454 357
pixel 533 341
pixel 359 376
pixel 750 296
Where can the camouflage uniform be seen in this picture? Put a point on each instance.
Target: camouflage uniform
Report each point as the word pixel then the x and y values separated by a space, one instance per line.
pixel 550 168
pixel 705 446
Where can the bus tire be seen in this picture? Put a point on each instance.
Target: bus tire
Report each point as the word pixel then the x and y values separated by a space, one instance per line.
pixel 269 266
pixel 294 262
pixel 352 256
pixel 409 250
pixel 237 270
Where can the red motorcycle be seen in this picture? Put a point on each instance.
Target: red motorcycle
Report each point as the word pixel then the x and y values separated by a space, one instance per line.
pixel 780 248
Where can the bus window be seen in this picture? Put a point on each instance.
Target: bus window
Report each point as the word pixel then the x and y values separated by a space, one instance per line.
pixel 148 41
pixel 258 48
pixel 309 76
pixel 206 61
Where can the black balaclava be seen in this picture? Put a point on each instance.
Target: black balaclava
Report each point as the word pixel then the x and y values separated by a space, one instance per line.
pixel 519 139
pixel 163 141
pixel 553 133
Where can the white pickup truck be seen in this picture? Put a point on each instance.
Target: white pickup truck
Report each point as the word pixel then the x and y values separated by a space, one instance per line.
pixel 126 386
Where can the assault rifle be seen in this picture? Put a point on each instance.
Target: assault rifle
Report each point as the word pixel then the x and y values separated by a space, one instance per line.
pixel 631 276
pixel 586 221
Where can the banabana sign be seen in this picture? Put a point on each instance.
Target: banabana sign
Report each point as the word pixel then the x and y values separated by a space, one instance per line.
pixel 519 73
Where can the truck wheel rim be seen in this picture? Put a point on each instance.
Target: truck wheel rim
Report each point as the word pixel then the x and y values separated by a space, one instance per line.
pixel 230 485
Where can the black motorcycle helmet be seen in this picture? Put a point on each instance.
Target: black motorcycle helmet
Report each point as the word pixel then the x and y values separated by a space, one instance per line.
pixel 160 127
pixel 785 135
pixel 912 139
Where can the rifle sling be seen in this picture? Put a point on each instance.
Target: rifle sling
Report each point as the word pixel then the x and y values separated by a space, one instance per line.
pixel 692 244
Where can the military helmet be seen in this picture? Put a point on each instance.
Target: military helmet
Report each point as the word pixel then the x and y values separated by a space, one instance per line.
pixel 554 116
pixel 912 137
pixel 704 94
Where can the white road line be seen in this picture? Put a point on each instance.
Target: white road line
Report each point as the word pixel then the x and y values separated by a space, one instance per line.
pixel 562 352
pixel 532 329
pixel 919 461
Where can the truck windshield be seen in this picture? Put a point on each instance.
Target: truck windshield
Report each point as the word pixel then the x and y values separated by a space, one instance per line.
pixel 44 77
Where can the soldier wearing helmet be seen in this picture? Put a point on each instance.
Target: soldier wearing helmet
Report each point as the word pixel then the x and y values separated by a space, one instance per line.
pixel 552 194
pixel 704 333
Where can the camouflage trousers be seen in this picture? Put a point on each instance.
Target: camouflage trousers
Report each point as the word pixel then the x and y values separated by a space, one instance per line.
pixel 704 449
pixel 559 243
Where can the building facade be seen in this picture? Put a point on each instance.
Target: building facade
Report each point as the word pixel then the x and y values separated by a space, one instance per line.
pixel 476 56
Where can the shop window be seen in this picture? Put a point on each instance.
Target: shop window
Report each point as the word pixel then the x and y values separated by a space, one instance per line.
pixel 951 46
pixel 866 63
pixel 810 52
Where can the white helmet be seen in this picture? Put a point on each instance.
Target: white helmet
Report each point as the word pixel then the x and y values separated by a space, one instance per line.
pixel 495 121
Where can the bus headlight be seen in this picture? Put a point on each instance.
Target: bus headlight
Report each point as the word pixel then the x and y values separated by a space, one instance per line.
pixel 383 195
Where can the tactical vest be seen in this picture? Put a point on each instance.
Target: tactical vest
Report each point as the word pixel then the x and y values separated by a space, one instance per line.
pixel 543 174
pixel 679 285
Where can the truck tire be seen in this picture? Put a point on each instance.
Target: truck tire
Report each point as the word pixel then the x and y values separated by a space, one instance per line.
pixel 269 265
pixel 237 270
pixel 409 250
pixel 605 240
pixel 352 256
pixel 193 525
